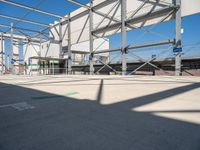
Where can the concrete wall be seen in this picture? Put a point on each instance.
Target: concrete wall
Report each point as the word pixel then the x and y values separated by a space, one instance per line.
pixel 99 44
pixel 31 50
pixel 49 49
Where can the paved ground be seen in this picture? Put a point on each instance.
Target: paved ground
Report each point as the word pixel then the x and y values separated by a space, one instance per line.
pixel 99 113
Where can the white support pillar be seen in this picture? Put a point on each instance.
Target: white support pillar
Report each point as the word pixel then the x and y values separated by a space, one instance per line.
pixel 60 40
pixel 123 29
pixel 31 67
pixel 16 57
pixel 69 46
pixel 40 48
pixel 178 44
pixel 2 55
pixel 91 38
pixel 11 53
pixel 8 61
pixel 53 68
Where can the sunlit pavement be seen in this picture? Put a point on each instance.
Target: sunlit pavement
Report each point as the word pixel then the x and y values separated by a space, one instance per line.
pixel 99 112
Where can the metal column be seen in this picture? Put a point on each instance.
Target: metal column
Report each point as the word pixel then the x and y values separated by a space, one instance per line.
pixel 91 38
pixel 8 61
pixel 11 52
pixel 178 44
pixel 123 29
pixel 39 68
pixel 69 46
pixel 60 40
pixel 2 55
pixel 53 68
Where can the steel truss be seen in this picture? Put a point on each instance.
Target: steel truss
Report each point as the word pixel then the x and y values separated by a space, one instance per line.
pixel 120 25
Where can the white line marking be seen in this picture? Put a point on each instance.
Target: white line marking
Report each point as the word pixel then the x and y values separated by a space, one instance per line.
pixel 19 106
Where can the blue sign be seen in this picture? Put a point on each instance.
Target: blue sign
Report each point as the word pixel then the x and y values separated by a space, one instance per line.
pixel 177 49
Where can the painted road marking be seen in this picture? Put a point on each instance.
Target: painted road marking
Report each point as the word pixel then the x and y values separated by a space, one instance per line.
pixel 19 106
pixel 70 94
pixel 54 96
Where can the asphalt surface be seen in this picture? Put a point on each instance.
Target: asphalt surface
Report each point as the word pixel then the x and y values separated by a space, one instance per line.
pixel 33 117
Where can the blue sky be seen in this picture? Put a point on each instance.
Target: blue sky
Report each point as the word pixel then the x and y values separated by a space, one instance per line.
pixel 190 24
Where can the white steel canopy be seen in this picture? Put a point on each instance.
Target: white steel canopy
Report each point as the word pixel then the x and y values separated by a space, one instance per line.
pixel 139 13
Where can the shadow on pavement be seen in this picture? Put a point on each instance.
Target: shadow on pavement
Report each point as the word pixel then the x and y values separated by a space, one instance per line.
pixel 65 123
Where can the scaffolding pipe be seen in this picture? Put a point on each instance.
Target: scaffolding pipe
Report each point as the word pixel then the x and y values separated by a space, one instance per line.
pixel 30 8
pixel 69 47
pixel 91 38
pixel 20 37
pixel 96 7
pixel 11 53
pixel 99 6
pixel 60 40
pixel 23 20
pixel 19 28
pixel 155 14
pixel 2 53
pixel 123 31
pixel 178 44
pixel 171 41
pixel 80 4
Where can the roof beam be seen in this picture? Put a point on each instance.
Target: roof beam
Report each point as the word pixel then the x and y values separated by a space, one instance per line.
pixel 30 8
pixel 101 5
pixel 86 12
pixel 158 13
pixel 21 37
pixel 80 4
pixel 23 20
pixel 18 28
pixel 130 47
